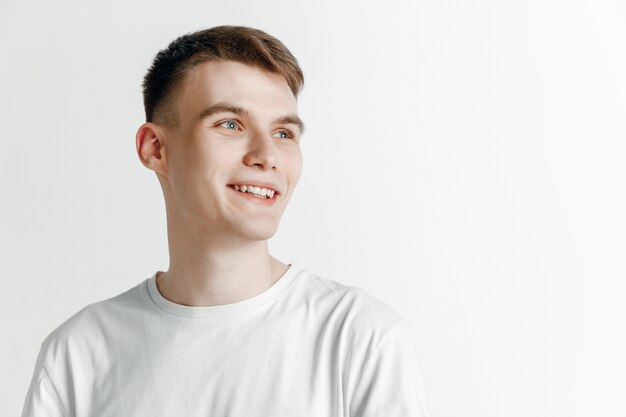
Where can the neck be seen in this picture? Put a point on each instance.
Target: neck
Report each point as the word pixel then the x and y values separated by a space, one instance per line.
pixel 208 269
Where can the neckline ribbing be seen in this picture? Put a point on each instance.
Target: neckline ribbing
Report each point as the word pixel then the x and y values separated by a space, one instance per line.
pixel 180 310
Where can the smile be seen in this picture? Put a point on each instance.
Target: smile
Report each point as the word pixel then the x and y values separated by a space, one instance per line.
pixel 248 195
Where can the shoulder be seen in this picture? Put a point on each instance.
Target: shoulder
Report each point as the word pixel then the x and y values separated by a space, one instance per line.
pixel 91 324
pixel 360 314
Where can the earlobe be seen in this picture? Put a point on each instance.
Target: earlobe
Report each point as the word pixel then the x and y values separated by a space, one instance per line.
pixel 149 147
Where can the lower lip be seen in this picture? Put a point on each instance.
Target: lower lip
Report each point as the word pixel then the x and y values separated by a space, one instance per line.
pixel 257 200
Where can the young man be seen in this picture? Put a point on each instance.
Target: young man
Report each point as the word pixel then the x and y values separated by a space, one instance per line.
pixel 227 330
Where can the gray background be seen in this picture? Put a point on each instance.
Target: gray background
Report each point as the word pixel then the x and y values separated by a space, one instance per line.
pixel 463 161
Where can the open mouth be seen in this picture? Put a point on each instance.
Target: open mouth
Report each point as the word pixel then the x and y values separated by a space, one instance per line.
pixel 251 194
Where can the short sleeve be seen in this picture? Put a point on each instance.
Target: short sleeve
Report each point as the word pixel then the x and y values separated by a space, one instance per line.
pixel 42 398
pixel 390 384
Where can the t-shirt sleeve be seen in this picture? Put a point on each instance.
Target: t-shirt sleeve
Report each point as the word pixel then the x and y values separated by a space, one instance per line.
pixel 390 384
pixel 42 398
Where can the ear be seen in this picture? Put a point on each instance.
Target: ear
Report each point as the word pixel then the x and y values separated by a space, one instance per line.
pixel 151 147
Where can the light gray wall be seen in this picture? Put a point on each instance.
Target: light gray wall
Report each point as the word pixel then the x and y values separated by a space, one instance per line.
pixel 463 161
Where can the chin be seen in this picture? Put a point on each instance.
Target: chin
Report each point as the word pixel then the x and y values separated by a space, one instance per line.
pixel 263 233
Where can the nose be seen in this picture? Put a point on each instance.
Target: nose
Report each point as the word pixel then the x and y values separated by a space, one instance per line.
pixel 261 150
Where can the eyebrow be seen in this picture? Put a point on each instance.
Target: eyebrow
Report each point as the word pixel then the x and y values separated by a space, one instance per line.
pixel 232 108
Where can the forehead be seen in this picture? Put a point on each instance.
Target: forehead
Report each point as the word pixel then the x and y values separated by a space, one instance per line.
pixel 259 91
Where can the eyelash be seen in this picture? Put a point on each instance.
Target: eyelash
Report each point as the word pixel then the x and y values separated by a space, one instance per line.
pixel 290 134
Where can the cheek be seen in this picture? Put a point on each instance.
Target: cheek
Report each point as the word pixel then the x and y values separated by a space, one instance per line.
pixel 192 169
pixel 294 165
pixel 201 158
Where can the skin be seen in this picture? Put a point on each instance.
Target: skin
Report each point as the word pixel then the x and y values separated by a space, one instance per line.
pixel 218 239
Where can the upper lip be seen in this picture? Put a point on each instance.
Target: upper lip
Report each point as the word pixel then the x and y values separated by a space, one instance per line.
pixel 257 183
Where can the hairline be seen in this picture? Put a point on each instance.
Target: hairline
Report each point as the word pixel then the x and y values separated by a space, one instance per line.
pixel 163 112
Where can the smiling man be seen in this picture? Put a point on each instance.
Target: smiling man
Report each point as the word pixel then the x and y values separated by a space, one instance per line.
pixel 227 330
pixel 226 150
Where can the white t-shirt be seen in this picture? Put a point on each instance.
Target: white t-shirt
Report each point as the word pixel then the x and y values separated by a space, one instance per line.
pixel 306 346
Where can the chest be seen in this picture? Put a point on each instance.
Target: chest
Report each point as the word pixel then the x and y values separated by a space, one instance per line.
pixel 272 371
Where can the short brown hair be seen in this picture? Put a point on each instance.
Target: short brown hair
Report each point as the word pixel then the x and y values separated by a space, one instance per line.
pixel 220 43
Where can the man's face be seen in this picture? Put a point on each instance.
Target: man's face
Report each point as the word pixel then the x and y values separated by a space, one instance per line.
pixel 237 125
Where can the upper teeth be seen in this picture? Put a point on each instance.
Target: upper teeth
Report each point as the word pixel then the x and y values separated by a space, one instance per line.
pixel 263 192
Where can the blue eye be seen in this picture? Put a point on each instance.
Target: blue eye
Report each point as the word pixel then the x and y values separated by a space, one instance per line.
pixel 230 124
pixel 286 134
